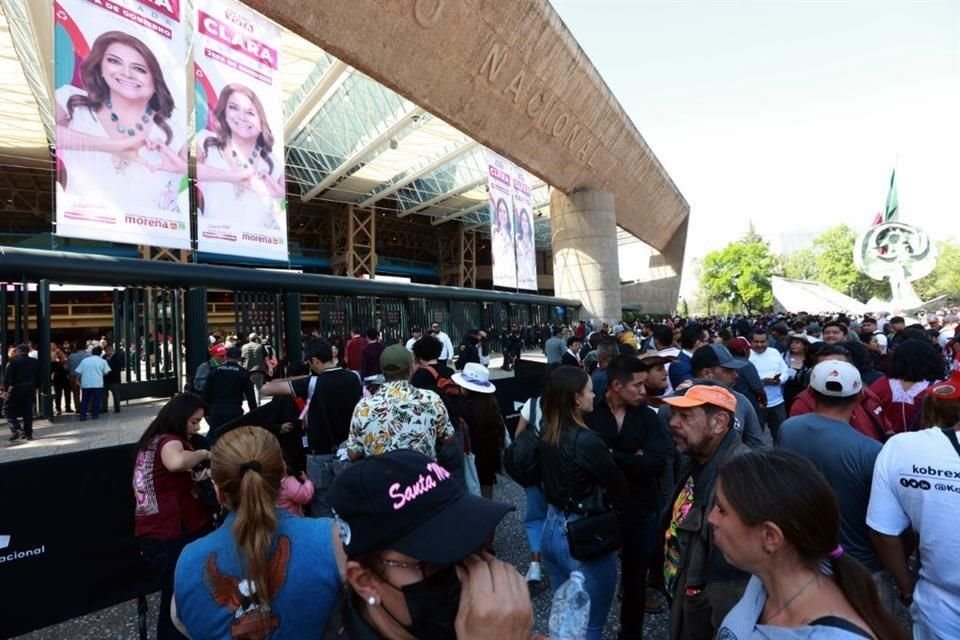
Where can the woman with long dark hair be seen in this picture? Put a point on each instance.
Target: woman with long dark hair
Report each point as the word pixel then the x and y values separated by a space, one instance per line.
pixel 776 517
pixel 169 512
pixel 118 133
pixel 798 359
pixel 914 366
pixel 265 571
pixel 577 472
pixel 236 169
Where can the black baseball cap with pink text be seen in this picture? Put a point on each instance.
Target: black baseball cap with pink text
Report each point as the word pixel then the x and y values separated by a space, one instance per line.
pixel 407 502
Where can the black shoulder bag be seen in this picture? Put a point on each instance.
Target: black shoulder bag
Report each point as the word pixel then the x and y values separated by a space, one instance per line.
pixel 597 533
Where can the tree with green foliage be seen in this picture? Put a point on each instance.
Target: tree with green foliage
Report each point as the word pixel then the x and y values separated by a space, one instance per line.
pixel 945 279
pixel 738 276
pixel 833 257
pixel 800 265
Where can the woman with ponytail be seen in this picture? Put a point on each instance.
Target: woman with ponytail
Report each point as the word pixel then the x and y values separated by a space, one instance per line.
pixel 776 517
pixel 264 573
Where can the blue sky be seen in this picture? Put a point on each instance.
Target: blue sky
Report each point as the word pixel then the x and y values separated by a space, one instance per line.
pixel 787 114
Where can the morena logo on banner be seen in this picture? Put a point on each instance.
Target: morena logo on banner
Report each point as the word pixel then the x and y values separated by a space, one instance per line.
pixel 12 555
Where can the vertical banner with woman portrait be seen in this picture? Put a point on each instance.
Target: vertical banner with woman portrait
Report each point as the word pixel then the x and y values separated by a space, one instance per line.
pixel 502 237
pixel 241 204
pixel 523 226
pixel 121 121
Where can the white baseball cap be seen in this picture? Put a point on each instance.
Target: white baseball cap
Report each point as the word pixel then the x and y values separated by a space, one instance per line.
pixel 836 378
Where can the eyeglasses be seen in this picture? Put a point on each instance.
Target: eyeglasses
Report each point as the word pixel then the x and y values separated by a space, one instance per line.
pixel 426 569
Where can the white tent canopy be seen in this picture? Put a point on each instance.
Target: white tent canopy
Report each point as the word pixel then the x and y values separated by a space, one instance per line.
pixel 793 296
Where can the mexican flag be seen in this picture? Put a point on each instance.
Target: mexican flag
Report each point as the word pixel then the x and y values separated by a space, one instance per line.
pixel 890 212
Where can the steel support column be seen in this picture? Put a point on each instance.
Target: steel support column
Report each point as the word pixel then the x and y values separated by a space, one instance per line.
pixel 195 329
pixel 354 240
pixel 293 349
pixel 43 347
pixel 458 258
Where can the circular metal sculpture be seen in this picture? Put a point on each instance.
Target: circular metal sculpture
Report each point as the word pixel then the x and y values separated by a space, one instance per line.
pixel 898 253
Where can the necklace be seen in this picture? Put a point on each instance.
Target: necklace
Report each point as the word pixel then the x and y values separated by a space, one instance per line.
pixel 792 598
pixel 238 158
pixel 122 128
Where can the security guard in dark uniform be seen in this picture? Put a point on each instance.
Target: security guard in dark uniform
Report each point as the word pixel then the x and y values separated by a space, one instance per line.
pixel 20 382
pixel 225 390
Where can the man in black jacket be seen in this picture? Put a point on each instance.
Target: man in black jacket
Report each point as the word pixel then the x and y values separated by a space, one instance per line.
pixel 20 382
pixel 469 349
pixel 328 395
pixel 226 389
pixel 111 381
pixel 640 448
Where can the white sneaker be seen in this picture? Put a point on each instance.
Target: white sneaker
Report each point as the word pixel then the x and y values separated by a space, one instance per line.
pixel 533 573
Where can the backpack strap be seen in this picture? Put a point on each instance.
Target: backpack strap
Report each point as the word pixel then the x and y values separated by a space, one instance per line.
pixel 951 434
pixel 532 422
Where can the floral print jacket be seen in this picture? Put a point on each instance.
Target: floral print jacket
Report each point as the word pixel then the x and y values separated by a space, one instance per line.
pixel 399 416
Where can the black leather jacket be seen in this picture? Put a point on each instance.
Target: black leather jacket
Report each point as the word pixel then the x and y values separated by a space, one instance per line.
pixel 572 471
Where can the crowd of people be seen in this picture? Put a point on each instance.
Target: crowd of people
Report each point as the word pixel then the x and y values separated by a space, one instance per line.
pixel 774 477
pixel 778 476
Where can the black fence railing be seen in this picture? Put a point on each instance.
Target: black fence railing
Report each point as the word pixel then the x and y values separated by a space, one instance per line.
pixel 163 311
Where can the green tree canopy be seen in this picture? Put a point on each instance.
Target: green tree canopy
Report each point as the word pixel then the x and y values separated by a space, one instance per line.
pixel 739 275
pixel 833 257
pixel 801 265
pixel 945 279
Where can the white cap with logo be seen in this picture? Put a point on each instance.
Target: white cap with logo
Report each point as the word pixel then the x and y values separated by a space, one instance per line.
pixel 836 378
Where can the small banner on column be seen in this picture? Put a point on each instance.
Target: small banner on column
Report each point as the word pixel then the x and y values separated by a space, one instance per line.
pixel 121 121
pixel 502 230
pixel 241 191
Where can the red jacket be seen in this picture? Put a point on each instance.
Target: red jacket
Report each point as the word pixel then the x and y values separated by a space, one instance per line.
pixel 353 353
pixel 868 417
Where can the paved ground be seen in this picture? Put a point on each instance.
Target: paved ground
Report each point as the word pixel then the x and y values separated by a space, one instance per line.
pixel 120 622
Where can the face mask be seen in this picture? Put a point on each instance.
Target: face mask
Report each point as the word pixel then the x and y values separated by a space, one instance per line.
pixel 433 604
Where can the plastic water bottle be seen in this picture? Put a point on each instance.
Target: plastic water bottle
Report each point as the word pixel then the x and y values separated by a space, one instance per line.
pixel 570 611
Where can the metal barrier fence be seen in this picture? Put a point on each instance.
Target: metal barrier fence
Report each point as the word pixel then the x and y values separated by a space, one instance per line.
pixel 163 311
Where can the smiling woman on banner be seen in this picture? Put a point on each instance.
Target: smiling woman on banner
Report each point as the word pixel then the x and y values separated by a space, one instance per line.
pixel 118 138
pixel 504 259
pixel 236 169
pixel 526 258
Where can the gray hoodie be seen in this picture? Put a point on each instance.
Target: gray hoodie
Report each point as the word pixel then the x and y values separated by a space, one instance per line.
pixel 741 622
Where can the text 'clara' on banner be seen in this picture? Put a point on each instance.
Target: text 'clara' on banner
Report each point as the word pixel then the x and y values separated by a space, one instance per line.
pixel 241 203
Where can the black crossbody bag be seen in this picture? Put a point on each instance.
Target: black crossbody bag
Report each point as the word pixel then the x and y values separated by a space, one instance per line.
pixel 598 532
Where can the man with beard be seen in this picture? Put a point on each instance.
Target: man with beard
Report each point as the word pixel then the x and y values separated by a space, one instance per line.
pixel 715 363
pixel 704 587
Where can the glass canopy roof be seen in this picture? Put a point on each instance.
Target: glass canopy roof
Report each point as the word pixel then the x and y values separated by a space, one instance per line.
pixel 348 138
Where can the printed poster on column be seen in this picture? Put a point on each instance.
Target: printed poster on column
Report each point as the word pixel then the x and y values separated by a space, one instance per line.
pixel 121 121
pixel 523 231
pixel 502 236
pixel 241 204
